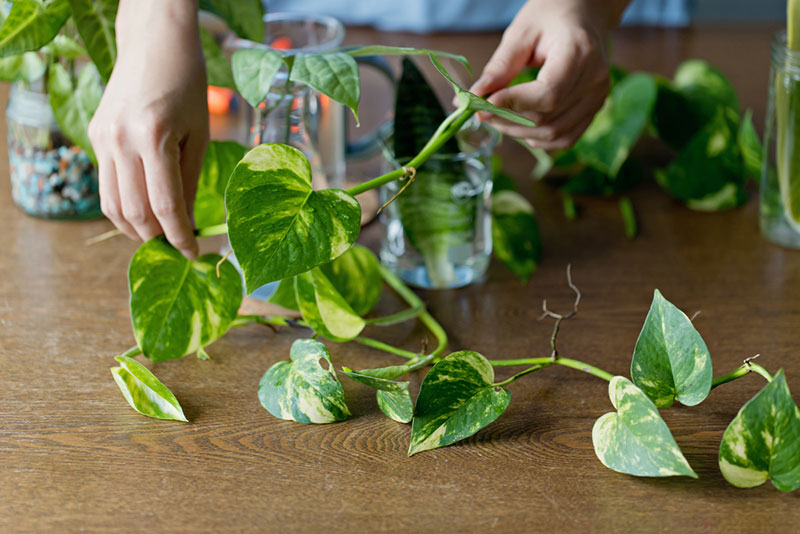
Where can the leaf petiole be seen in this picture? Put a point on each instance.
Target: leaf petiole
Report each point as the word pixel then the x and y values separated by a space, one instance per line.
pixel 540 363
pixel 744 369
pixel 399 317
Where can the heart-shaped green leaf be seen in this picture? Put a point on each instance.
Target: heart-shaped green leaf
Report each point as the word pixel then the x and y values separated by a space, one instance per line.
pixel 144 392
pixel 763 440
pixel 218 164
pixel 95 22
pixel 515 233
pixel 74 106
pixel 177 305
pixel 303 390
pixel 356 276
pixel 634 439
pixel 284 295
pixel 381 50
pixel 253 70
pixel 324 309
pixel 608 140
pixel 244 17
pixel 705 88
pixel 218 70
pixel 31 24
pixel 334 74
pixel 278 226
pixel 456 399
pixel 671 360
pixel 394 399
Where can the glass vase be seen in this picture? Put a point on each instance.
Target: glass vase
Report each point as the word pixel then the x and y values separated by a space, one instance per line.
pixel 438 231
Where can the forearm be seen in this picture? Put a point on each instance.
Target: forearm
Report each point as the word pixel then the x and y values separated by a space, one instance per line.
pixel 140 21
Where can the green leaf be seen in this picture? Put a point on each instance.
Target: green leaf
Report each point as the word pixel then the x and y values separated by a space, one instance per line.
pixel 278 227
pixel 218 70
pixel 673 118
pixel 324 309
pixel 671 360
pixel 218 164
pixel 144 392
pixel 23 67
pixel 763 440
pixel 284 295
pixel 381 50
pixel 476 103
pixel 253 71
pixel 334 74
pixel 303 390
pixel 31 24
pixel 244 17
pixel 95 22
pixel 750 146
pixel 177 305
pixel 74 106
pixel 394 399
pixel 634 439
pixel 356 276
pixel 705 88
pixel 64 47
pixel 616 128
pixel 456 399
pixel 515 233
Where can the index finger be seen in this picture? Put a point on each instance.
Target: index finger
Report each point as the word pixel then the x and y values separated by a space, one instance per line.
pixel 162 173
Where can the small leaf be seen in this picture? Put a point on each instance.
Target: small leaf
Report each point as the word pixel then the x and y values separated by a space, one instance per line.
pixel 244 17
pixel 750 146
pixel 394 399
pixel 456 399
pixel 302 390
pixel 218 70
pixel 74 107
pixel 356 276
pixel 253 71
pixel 177 305
pixel 278 227
pixel 763 440
pixel 23 67
pixel 671 360
pixel 705 88
pixel 284 295
pixel 144 392
pixel 324 308
pixel 64 47
pixel 515 233
pixel 334 74
pixel 31 24
pixel 634 439
pixel 218 164
pixel 380 50
pixel 95 22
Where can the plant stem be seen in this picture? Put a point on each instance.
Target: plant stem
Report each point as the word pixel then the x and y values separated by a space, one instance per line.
pixel 446 130
pixel 520 374
pixel 269 320
pixel 628 217
pixel 546 362
pixel 380 345
pixel 133 351
pixel 399 317
pixel 209 231
pixel 741 371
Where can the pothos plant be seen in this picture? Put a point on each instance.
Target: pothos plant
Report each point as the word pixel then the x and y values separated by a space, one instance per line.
pixel 282 230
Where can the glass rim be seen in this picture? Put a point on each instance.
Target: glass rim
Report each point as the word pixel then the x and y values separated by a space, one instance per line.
pixel 484 149
pixel 330 23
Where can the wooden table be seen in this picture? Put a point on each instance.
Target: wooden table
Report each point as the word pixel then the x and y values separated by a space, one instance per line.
pixel 74 456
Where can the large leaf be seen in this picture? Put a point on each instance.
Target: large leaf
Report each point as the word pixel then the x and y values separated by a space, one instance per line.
pixel 144 392
pixel 763 440
pixel 394 399
pixel 356 276
pixel 218 164
pixel 244 17
pixel 95 21
pixel 218 70
pixel 674 118
pixel 334 74
pixel 671 360
pixel 178 306
pixel 253 71
pixel 278 226
pixel 74 106
pixel 23 67
pixel 324 309
pixel 31 24
pixel 456 399
pixel 608 140
pixel 303 390
pixel 634 439
pixel 381 50
pixel 705 88
pixel 515 233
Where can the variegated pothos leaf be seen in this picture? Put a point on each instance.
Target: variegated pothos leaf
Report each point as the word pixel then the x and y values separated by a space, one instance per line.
pixel 394 399
pixel 356 276
pixel 302 389
pixel 324 309
pixel 144 392
pixel 635 439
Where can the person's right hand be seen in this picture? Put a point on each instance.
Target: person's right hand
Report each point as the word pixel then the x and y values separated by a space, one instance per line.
pixel 150 131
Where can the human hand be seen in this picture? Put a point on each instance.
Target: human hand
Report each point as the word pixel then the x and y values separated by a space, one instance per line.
pixel 567 39
pixel 150 130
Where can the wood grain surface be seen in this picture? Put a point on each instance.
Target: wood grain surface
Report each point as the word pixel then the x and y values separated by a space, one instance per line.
pixel 74 457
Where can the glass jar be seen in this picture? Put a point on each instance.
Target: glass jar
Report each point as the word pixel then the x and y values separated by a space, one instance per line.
pixel 780 177
pixel 438 232
pixel 50 176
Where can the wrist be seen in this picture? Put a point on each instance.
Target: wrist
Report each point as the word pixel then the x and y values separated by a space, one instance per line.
pixel 141 21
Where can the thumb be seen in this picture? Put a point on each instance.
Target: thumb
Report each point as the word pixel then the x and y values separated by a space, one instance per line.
pixel 511 56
